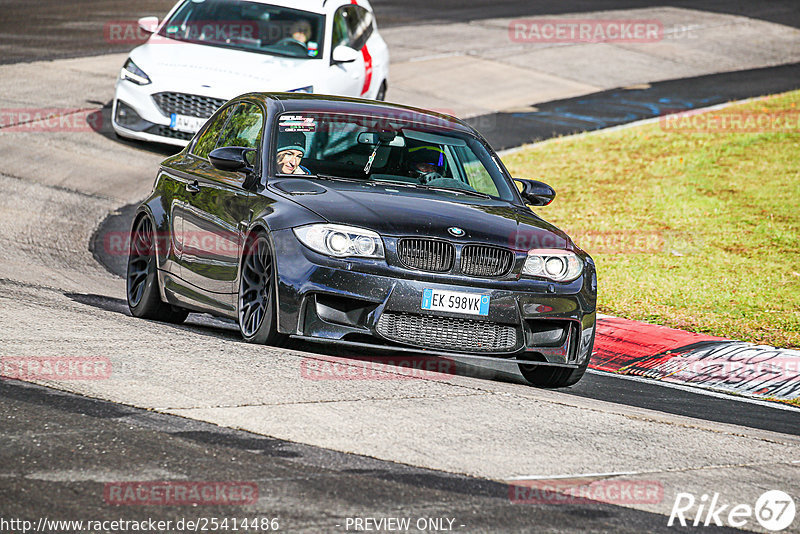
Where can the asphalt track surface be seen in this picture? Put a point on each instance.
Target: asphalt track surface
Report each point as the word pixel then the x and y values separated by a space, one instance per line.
pixel 308 488
pixel 313 489
pixel 624 105
pixel 53 29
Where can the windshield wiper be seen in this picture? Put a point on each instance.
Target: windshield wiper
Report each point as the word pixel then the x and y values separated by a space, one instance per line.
pixel 332 177
pixel 237 46
pixel 403 184
pixel 454 190
pixel 271 51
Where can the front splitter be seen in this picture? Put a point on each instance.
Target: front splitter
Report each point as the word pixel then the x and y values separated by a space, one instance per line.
pixel 511 360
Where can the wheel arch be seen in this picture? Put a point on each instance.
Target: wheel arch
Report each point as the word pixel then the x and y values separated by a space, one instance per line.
pixel 259 226
pixel 161 229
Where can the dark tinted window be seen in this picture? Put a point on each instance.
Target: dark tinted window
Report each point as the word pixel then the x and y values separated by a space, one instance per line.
pixel 352 26
pixel 341 34
pixel 251 26
pixel 208 139
pixel 393 149
pixel 359 23
pixel 244 127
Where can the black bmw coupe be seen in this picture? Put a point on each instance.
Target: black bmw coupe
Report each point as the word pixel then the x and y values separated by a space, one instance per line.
pixel 365 224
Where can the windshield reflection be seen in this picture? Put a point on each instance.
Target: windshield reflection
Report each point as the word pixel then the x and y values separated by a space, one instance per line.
pixel 249 26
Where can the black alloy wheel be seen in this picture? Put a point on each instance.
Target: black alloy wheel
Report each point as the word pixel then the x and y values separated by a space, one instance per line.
pixel 144 299
pixel 257 309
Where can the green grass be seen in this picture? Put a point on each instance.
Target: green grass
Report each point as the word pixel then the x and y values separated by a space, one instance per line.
pixel 699 231
pixel 791 402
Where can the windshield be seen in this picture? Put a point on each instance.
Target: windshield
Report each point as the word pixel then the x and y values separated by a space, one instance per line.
pixel 250 26
pixel 415 154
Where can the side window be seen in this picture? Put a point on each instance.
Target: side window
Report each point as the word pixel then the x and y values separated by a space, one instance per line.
pixel 475 172
pixel 208 139
pixel 341 33
pixel 359 23
pixel 244 127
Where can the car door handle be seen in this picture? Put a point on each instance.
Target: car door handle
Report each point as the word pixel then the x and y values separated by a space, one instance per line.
pixel 193 188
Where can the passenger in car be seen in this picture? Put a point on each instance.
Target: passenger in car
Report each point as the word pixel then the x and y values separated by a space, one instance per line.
pixel 291 149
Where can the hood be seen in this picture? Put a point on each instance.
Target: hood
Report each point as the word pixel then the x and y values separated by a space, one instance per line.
pixel 220 72
pixel 403 211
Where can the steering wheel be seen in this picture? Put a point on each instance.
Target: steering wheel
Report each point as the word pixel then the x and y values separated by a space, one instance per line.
pixel 427 177
pixel 290 41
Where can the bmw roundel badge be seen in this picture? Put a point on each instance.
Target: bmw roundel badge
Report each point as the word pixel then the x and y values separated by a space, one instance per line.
pixel 455 231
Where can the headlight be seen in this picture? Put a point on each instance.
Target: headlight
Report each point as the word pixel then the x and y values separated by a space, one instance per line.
pixel 134 74
pixel 340 241
pixel 557 265
pixel 307 89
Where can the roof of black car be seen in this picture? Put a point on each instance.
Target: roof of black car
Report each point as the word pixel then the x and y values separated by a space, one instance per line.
pixel 356 106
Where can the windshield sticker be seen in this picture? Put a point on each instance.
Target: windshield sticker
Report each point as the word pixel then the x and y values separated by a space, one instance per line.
pixel 297 123
pixel 312 49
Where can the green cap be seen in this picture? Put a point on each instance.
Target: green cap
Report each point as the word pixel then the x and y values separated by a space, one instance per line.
pixel 292 141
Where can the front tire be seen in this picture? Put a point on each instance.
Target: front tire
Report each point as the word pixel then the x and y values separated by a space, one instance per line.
pixel 545 376
pixel 257 309
pixel 144 298
pixel 381 96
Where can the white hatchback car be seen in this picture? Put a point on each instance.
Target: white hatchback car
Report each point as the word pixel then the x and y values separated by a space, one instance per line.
pixel 208 51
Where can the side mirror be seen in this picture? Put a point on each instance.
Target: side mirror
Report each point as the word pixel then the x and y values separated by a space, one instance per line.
pixel 535 193
pixel 232 158
pixel 148 24
pixel 344 54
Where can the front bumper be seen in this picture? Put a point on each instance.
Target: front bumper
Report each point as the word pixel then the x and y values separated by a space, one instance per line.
pixel 369 303
pixel 148 122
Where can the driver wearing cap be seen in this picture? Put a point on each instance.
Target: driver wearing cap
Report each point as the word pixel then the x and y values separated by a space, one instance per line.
pixel 291 149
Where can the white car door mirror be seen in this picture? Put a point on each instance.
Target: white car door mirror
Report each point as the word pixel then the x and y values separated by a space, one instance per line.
pixel 344 54
pixel 148 24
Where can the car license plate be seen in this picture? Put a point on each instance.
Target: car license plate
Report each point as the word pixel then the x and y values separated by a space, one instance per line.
pixel 455 301
pixel 185 123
